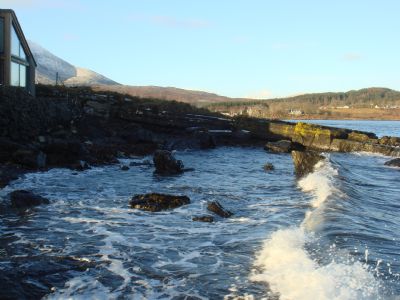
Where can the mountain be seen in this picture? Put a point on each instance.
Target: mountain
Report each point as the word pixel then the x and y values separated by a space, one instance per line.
pixel 48 65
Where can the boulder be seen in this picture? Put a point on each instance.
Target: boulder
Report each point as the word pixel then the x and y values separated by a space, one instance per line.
pixel 206 140
pixel 166 164
pixel 304 161
pixel 124 168
pixel 269 167
pixel 63 153
pixel 217 208
pixel 206 219
pixel 21 199
pixel 157 202
pixel 283 146
pixel 390 141
pixel 393 163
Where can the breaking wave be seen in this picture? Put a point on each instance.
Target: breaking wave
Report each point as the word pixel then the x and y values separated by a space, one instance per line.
pixel 296 266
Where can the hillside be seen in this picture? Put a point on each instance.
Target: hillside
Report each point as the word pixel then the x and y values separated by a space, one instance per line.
pixel 48 65
pixel 197 98
pixel 370 103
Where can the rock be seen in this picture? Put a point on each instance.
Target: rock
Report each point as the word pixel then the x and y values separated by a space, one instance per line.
pixel 166 164
pixel 27 158
pixel 304 161
pixel 63 153
pixel 206 140
pixel 390 141
pixel 124 168
pixel 207 219
pixel 217 208
pixel 157 202
pixel 269 167
pixel 393 163
pixel 21 199
pixel 283 146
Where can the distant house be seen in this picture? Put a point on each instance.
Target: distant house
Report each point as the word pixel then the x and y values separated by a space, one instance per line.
pixel 296 112
pixel 17 65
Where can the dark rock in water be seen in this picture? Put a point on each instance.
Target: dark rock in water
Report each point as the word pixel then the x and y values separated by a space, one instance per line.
pixel 304 161
pixel 21 199
pixel 206 219
pixel 166 164
pixel 283 146
pixel 217 208
pixel 124 168
pixel 33 277
pixel 9 173
pixel 269 167
pixel 157 202
pixel 393 163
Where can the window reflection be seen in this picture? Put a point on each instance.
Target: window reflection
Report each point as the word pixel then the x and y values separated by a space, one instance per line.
pixel 18 75
pixel 14 74
pixel 1 35
pixel 16 46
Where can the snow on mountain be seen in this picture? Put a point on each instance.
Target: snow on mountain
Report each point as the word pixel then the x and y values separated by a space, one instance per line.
pixel 48 65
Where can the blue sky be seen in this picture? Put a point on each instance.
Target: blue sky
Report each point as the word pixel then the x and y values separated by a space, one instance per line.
pixel 237 48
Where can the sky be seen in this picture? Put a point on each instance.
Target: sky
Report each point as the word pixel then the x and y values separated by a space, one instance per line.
pixel 235 48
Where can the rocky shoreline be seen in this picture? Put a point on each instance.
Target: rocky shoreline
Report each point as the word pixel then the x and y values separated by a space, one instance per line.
pixel 77 128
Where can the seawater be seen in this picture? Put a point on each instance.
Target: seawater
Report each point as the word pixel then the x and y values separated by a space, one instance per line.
pixel 334 234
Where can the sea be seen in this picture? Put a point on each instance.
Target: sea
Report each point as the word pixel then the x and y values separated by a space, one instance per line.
pixel 333 234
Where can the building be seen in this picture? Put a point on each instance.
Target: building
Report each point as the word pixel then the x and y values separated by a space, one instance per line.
pixel 17 64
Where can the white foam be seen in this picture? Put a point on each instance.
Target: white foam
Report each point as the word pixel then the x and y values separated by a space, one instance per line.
pixel 290 271
pixel 287 267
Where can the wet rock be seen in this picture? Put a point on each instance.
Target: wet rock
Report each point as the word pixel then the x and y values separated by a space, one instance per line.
pixel 63 153
pixel 217 208
pixel 34 277
pixel 304 161
pixel 124 168
pixel 283 146
pixel 206 219
pixel 157 202
pixel 269 167
pixel 206 140
pixel 9 173
pixel 29 158
pixel 390 141
pixel 166 164
pixel 22 199
pixel 393 163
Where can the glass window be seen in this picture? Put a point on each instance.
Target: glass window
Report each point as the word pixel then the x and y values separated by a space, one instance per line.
pixel 14 74
pixel 22 75
pixel 1 71
pixel 22 52
pixel 14 42
pixel 1 35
